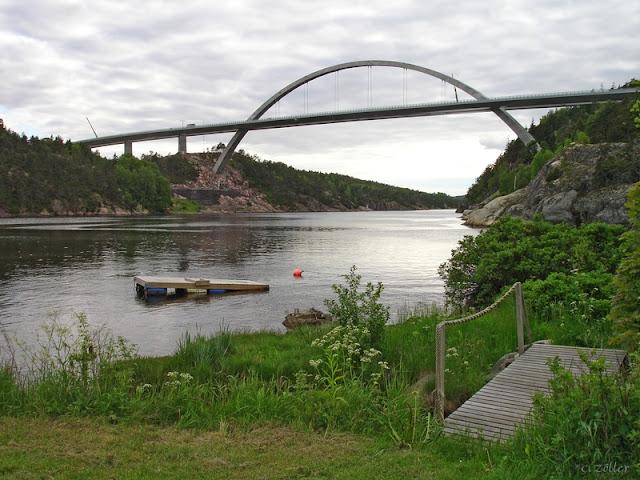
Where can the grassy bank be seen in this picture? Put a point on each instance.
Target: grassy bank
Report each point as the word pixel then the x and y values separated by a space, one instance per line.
pixel 350 400
pixel 92 448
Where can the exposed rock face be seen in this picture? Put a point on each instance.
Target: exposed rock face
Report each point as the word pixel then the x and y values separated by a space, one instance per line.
pixel 582 184
pixel 63 208
pixel 486 214
pixel 228 192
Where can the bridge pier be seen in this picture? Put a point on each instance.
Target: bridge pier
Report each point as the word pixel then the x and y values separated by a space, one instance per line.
pixel 128 147
pixel 182 144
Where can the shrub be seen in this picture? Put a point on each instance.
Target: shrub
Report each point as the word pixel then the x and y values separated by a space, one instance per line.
pixel 354 308
pixel 142 183
pixel 512 250
pixel 572 309
pixel 179 205
pixel 625 313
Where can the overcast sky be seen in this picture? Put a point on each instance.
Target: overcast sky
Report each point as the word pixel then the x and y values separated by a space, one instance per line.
pixel 131 66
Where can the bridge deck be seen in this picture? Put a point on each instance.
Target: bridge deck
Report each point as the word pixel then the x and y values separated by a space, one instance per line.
pixel 499 408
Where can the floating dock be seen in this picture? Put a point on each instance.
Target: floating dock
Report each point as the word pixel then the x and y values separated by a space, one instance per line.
pixel 158 286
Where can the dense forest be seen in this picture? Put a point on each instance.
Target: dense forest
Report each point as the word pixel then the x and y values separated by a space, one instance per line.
pixel 57 177
pixel 285 187
pixel 518 164
pixel 51 176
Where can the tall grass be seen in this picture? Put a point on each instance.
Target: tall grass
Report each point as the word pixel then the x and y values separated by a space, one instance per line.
pixel 313 378
pixel 472 349
pixel 71 369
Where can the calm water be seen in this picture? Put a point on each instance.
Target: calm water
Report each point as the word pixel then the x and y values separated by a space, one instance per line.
pixel 80 265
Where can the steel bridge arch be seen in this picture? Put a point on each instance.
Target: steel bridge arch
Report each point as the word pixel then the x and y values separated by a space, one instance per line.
pixel 511 122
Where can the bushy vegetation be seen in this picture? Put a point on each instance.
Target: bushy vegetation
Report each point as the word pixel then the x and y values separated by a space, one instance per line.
pixel 587 124
pixel 179 205
pixel 176 168
pixel 51 175
pixel 360 310
pixel 142 184
pixel 287 187
pixel 625 313
pixel 588 425
pixel 513 250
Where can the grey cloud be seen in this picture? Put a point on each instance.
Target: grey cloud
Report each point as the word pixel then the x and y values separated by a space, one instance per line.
pixel 207 62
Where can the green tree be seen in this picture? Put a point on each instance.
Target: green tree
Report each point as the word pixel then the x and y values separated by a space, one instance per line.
pixel 595 123
pixel 289 188
pixel 539 160
pixel 142 183
pixel 625 312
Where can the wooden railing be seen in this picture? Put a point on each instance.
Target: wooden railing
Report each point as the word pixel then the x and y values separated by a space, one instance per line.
pixel 441 342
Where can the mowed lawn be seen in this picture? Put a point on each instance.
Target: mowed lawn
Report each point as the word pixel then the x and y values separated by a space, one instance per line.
pixel 90 448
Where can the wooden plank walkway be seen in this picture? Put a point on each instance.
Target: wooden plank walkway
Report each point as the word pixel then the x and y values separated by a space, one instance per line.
pixel 499 408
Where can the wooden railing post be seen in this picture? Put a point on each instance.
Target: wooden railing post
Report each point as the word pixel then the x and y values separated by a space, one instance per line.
pixel 520 313
pixel 440 359
pixel 441 342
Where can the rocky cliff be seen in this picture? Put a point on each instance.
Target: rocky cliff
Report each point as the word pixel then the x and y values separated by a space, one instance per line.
pixel 582 184
pixel 228 192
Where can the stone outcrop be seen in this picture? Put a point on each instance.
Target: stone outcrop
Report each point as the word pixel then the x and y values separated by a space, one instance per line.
pixel 582 184
pixel 488 213
pixel 228 192
pixel 312 318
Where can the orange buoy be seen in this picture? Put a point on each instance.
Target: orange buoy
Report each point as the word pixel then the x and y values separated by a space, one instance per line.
pixel 297 273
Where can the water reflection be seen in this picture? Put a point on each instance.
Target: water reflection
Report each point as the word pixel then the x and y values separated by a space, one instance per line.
pixel 88 265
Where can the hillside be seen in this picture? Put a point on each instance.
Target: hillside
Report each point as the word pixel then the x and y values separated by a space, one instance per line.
pixel 518 165
pixel 52 177
pixel 581 184
pixel 249 183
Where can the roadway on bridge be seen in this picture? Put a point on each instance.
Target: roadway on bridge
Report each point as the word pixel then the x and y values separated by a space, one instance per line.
pixel 420 110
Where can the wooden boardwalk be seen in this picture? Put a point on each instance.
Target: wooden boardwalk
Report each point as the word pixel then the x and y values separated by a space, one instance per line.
pixel 499 408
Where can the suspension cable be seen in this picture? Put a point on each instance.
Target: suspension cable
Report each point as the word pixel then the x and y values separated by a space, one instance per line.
pixel 405 94
pixel 370 87
pixel 336 91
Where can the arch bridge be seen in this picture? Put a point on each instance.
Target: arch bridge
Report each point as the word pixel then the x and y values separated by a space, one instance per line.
pixel 481 103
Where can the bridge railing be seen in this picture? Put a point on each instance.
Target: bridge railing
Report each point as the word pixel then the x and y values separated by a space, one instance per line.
pixel 441 342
